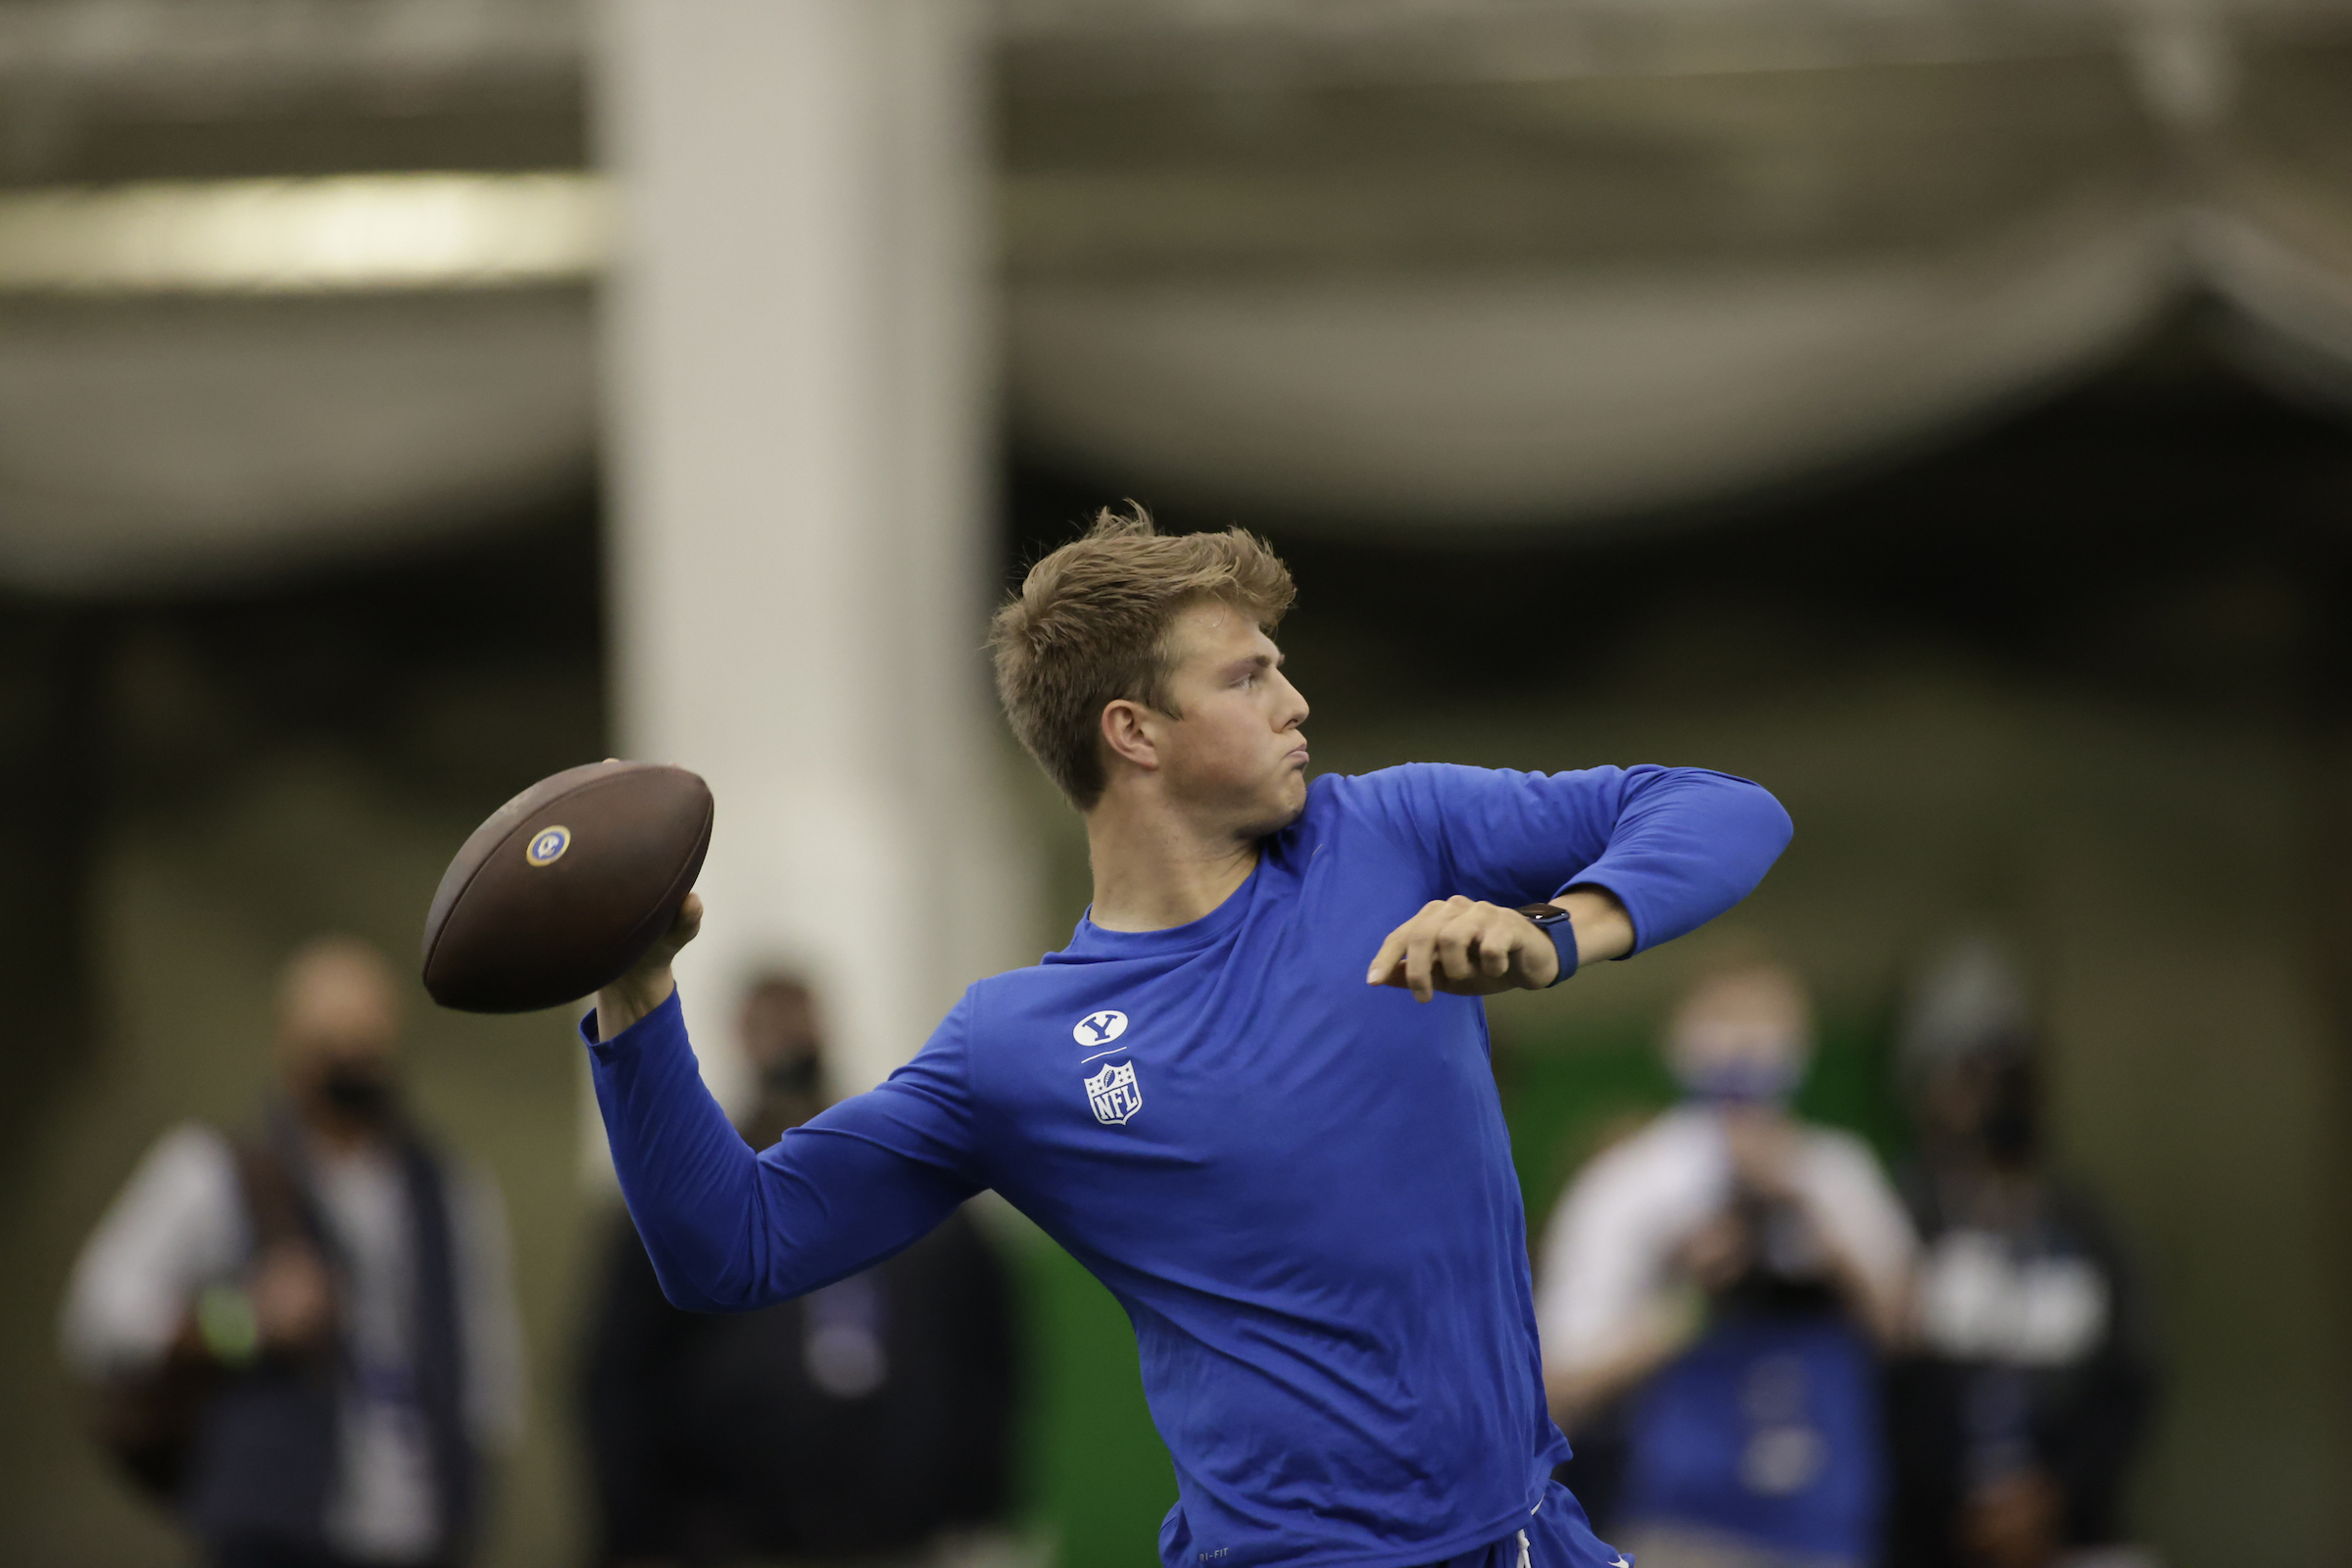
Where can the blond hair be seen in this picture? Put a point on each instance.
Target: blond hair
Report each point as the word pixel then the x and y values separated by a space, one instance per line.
pixel 1090 627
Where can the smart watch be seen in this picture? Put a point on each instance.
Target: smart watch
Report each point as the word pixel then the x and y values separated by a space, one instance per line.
pixel 1553 923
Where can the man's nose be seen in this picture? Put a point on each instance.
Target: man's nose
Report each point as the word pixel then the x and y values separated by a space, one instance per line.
pixel 1296 713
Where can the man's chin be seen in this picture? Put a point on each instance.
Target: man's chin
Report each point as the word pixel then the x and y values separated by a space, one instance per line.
pixel 1282 812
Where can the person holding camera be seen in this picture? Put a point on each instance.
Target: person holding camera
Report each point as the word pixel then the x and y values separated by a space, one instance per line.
pixel 1715 1292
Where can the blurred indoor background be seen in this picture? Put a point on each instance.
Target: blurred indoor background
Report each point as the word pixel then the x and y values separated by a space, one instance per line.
pixel 1940 410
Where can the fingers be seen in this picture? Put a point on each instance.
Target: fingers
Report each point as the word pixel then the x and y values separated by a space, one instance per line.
pixel 1493 951
pixel 1456 948
pixel 1420 949
pixel 1413 941
pixel 1453 945
pixel 1403 958
pixel 1457 945
pixel 684 928
pixel 1476 948
pixel 1384 971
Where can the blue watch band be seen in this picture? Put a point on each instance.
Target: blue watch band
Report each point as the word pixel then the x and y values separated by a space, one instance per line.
pixel 1553 923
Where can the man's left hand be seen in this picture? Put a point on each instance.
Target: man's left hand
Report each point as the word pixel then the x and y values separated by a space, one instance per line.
pixel 1466 948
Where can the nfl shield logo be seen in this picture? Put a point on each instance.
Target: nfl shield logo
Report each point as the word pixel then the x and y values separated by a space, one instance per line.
pixel 1113 1094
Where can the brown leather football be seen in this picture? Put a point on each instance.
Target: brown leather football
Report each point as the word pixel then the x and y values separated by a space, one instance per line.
pixel 565 887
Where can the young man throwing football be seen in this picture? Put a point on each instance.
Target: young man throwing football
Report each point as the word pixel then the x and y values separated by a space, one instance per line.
pixel 1252 1095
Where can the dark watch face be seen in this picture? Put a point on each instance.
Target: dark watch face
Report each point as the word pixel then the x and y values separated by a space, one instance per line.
pixel 1544 914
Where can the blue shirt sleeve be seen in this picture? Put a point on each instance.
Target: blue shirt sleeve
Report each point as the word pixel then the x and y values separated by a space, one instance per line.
pixel 729 1230
pixel 1678 846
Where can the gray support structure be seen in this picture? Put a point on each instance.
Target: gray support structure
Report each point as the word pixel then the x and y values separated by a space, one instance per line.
pixel 797 396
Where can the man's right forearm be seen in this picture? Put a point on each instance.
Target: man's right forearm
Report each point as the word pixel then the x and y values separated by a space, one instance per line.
pixel 635 994
pixel 689 1177
pixel 631 997
pixel 727 1230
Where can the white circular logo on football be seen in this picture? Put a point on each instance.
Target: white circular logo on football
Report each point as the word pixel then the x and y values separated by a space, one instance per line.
pixel 548 847
pixel 1099 1029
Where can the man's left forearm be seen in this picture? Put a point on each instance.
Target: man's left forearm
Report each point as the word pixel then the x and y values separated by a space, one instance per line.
pixel 1603 930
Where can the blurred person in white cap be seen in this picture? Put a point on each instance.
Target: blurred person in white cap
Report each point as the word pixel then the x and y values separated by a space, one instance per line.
pixel 302 1337
pixel 2016 1421
pixel 1721 1285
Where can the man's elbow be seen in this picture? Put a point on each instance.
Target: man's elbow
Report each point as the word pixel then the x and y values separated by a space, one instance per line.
pixel 687 1300
pixel 710 1290
pixel 1748 829
pixel 1755 824
pixel 1775 827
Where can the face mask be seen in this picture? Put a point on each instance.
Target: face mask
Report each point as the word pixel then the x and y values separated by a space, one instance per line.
pixel 1743 1083
pixel 358 1093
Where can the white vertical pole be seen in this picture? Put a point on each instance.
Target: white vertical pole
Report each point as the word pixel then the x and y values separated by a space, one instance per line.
pixel 798 395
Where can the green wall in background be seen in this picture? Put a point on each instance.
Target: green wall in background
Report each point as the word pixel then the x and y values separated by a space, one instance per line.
pixel 1099 1478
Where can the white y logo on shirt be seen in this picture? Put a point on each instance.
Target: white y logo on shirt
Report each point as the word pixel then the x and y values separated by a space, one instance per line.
pixel 1100 1028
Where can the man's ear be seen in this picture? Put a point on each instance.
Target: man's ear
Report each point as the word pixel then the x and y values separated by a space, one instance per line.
pixel 1127 729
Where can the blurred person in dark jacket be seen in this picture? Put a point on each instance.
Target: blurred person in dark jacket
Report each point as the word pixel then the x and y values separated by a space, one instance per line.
pixel 1714 1293
pixel 302 1337
pixel 2016 1422
pixel 869 1419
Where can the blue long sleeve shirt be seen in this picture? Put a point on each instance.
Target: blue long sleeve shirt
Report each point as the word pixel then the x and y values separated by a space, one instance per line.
pixel 1298 1186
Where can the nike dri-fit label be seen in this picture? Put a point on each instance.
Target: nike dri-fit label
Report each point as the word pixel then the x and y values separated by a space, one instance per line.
pixel 1298 1184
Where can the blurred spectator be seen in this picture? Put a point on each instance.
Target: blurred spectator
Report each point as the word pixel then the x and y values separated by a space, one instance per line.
pixel 2016 1422
pixel 1715 1290
pixel 871 1417
pixel 302 1336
